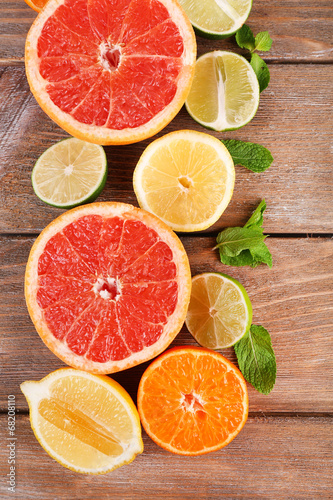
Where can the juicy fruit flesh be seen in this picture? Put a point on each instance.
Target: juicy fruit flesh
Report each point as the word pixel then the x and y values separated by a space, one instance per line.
pixel 223 92
pixel 185 181
pixel 111 63
pixel 68 171
pixel 216 15
pixel 217 313
pixel 192 402
pixel 82 421
pixel 106 287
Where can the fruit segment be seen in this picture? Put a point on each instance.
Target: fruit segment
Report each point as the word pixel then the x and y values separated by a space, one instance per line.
pixel 107 286
pixel 192 401
pixel 111 63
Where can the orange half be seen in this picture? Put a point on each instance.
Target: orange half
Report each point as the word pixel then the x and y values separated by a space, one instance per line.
pixel 192 401
pixel 111 71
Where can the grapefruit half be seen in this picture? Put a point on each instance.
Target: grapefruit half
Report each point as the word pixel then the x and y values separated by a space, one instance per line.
pixel 111 71
pixel 107 286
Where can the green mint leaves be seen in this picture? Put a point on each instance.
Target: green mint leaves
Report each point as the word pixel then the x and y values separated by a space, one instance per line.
pixel 252 156
pixel 263 42
pixel 256 359
pixel 244 246
pixel 245 38
pixel 261 70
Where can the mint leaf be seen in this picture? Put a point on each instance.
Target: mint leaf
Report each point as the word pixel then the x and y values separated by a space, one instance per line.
pixel 263 41
pixel 256 359
pixel 261 70
pixel 244 246
pixel 233 240
pixel 257 218
pixel 252 156
pixel 245 38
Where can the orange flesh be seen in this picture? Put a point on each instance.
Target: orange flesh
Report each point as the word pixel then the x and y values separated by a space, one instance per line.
pixel 192 403
pixel 111 63
pixel 106 287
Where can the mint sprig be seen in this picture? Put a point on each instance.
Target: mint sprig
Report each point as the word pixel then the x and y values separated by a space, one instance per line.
pixel 244 246
pixel 256 359
pixel 262 42
pixel 252 156
pixel 261 70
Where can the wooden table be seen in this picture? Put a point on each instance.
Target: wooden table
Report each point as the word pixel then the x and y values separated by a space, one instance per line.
pixel 285 449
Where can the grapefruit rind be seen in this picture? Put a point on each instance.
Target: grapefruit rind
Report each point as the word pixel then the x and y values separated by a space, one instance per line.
pixel 103 135
pixel 35 391
pixel 196 351
pixel 175 321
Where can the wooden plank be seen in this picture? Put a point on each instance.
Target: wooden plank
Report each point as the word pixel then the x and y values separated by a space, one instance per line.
pixel 293 300
pixel 294 121
pixel 271 458
pixel 301 31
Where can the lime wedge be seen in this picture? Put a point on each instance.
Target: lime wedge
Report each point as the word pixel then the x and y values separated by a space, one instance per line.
pixel 224 93
pixel 70 173
pixel 220 311
pixel 217 18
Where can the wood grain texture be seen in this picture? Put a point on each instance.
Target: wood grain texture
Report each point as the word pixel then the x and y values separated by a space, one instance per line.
pixel 302 32
pixel 294 301
pixel 271 458
pixel 294 121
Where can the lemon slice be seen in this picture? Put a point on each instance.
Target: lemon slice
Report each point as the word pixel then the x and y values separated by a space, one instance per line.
pixel 217 18
pixel 224 93
pixel 86 422
pixel 70 173
pixel 220 311
pixel 186 178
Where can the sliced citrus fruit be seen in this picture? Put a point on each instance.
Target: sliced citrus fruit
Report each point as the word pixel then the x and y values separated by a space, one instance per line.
pixel 225 91
pixel 70 173
pixel 217 18
pixel 37 5
pixel 192 401
pixel 220 311
pixel 186 178
pixel 111 71
pixel 107 286
pixel 86 422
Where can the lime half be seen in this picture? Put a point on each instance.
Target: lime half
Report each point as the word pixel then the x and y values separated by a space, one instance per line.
pixel 220 311
pixel 224 93
pixel 70 173
pixel 217 18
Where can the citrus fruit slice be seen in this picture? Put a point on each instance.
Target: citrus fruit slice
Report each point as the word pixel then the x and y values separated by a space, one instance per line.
pixel 225 91
pixel 111 71
pixel 217 18
pixel 220 311
pixel 86 422
pixel 37 5
pixel 192 401
pixel 186 178
pixel 70 173
pixel 107 286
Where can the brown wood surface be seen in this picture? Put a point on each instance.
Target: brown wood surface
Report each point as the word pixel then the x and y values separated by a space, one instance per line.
pixel 285 449
pixel 293 301
pixel 293 121
pixel 297 451
pixel 302 31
